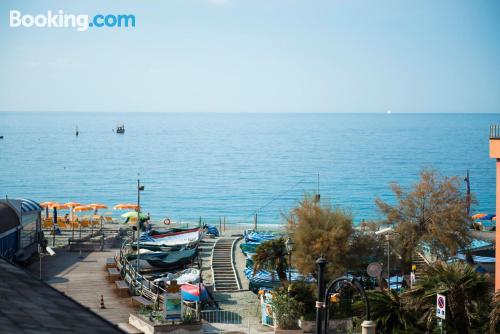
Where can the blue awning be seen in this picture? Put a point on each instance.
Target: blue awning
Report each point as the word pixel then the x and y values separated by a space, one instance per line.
pixel 28 205
pixel 477 259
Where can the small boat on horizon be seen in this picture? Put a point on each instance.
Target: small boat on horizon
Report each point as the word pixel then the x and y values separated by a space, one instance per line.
pixel 120 129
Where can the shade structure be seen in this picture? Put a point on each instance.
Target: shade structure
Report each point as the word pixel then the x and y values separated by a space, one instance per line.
pixel 47 204
pixel 73 204
pixel 194 292
pixel 133 214
pixel 479 215
pixel 98 206
pixel 83 208
pixel 60 206
pixel 125 206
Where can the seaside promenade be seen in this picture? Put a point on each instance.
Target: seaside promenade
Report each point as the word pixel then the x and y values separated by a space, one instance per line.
pixel 84 279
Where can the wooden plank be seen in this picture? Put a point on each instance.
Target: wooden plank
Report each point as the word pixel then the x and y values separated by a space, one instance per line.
pixel 84 280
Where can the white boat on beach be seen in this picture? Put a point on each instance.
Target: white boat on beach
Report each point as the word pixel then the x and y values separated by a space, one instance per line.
pixel 191 275
pixel 179 239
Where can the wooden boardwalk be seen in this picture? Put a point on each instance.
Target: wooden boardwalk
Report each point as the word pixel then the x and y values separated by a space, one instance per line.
pixel 85 280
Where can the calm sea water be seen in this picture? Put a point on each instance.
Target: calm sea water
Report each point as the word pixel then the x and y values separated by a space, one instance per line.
pixel 213 165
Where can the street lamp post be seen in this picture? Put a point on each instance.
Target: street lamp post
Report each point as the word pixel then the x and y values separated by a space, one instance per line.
pixel 321 263
pixel 139 189
pixel 388 238
pixel 289 247
pixel 387 232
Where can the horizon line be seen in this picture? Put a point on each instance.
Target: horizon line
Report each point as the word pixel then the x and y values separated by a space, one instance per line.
pixel 253 112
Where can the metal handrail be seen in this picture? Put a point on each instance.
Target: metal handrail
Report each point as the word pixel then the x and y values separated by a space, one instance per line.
pixel 132 273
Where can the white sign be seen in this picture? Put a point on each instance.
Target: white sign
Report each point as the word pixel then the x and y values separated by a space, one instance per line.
pixel 441 306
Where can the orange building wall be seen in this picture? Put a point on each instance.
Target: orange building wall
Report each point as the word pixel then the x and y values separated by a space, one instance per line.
pixel 495 153
pixel 497 232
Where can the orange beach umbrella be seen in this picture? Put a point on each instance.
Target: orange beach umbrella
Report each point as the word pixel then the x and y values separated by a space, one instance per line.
pixel 125 206
pixel 59 206
pixel 47 204
pixel 98 206
pixel 72 205
pixel 479 215
pixel 83 208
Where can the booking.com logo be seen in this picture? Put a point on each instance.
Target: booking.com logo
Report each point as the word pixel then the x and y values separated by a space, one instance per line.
pixel 81 22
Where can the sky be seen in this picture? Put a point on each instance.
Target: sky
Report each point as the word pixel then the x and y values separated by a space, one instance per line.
pixel 257 56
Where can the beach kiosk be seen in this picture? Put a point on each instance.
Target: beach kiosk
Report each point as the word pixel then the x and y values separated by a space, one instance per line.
pixel 495 154
pixel 20 229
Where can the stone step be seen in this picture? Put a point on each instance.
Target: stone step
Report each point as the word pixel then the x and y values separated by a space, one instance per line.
pixel 227 289
pixel 226 282
pixel 228 277
pixel 226 286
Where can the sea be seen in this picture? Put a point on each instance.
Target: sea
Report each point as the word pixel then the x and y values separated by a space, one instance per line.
pixel 236 165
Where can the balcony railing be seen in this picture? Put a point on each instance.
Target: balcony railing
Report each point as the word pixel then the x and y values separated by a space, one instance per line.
pixel 495 131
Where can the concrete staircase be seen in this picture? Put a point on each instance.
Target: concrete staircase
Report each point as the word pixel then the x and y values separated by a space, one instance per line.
pixel 225 277
pixel 206 247
pixel 421 264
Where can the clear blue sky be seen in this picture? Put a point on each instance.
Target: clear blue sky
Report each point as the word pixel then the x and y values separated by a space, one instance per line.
pixel 257 56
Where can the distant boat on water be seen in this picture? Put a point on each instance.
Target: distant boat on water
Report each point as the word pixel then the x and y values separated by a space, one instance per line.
pixel 76 133
pixel 120 129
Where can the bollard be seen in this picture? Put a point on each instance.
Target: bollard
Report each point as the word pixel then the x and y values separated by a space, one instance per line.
pixel 368 327
pixel 102 303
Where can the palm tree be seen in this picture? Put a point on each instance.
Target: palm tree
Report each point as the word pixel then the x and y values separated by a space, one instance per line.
pixel 271 256
pixel 495 314
pixel 466 291
pixel 389 312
